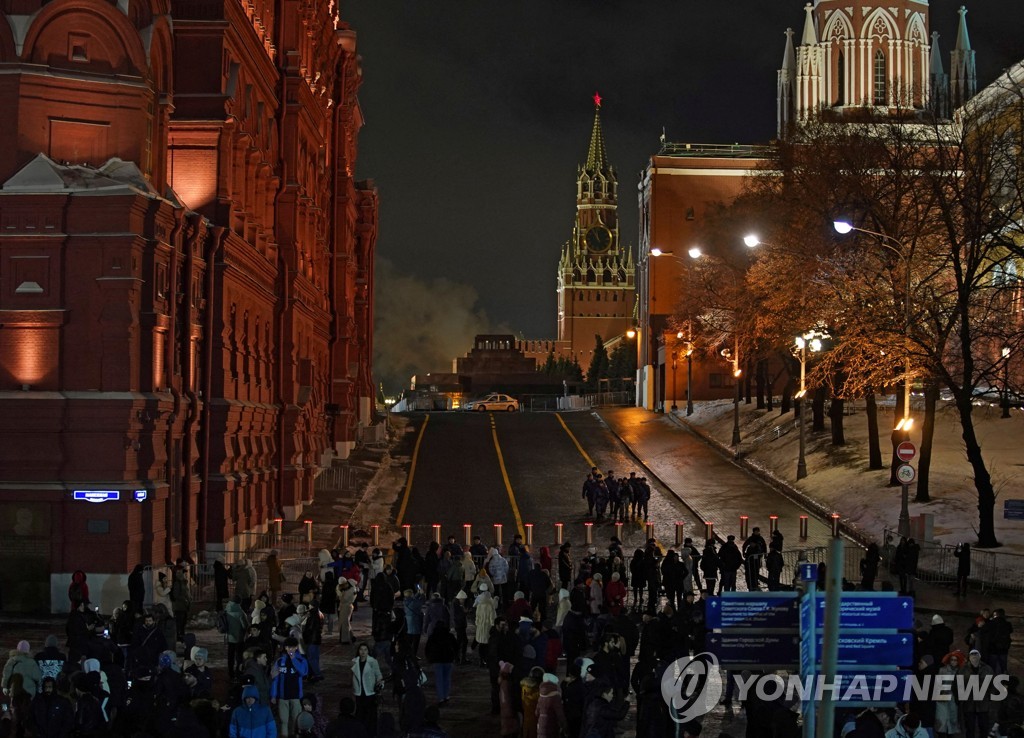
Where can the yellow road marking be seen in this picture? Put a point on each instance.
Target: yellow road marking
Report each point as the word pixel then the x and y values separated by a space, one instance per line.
pixel 412 471
pixel 508 484
pixel 578 446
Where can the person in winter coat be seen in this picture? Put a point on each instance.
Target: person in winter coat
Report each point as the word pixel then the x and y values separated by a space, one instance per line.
pixel 275 576
pixel 596 595
pixel 201 673
pixel 497 567
pixel 286 685
pixel 908 726
pixel 256 672
pixel 602 714
pixel 729 561
pixel 20 662
pixel 52 714
pixel 51 659
pixel 312 638
pixel 947 712
pixel 774 563
pixel 509 717
pixel 709 566
pixel 78 590
pixel 939 641
pixel 869 567
pixel 615 595
pixel 437 614
pixel 413 606
pixel 251 719
pixel 550 713
pixel 346 595
pixel 238 623
pixel 486 614
pixel 563 607
pixel 963 568
pixel 529 695
pixel 329 601
pixel 181 598
pixel 565 565
pixel 441 651
pixel 997 635
pixel 366 682
pixel 137 587
pixel 976 713
pixel 244 575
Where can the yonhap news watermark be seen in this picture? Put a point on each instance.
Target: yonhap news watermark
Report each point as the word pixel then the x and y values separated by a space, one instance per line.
pixel 693 685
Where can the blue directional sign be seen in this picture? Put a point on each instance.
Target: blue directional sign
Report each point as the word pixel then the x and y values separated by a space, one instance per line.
pixel 871 687
pixel 884 649
pixel 752 610
pixel 756 650
pixel 871 610
pixel 1013 504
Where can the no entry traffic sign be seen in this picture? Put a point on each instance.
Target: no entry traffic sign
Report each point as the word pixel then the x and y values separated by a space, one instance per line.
pixel 906 451
pixel 905 473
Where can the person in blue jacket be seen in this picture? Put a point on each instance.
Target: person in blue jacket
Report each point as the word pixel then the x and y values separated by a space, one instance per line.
pixel 251 719
pixel 286 688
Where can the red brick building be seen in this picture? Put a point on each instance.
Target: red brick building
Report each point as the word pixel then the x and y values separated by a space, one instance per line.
pixel 186 278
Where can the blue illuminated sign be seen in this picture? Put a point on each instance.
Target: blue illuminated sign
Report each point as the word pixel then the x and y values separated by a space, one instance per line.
pixel 140 495
pixel 96 495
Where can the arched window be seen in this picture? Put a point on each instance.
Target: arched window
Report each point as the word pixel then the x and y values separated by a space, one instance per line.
pixel 841 79
pixel 880 97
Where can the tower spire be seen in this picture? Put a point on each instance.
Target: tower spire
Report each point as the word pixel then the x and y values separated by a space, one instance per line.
pixel 596 157
pixel 963 81
pixel 810 37
pixel 939 81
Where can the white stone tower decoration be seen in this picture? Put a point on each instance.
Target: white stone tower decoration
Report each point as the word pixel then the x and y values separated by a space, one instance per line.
pixel 870 57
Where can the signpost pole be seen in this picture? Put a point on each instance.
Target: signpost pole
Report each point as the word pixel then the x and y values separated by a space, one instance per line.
pixel 904 525
pixel 811 643
pixel 830 651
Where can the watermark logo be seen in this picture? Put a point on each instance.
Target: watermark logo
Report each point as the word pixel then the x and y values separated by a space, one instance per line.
pixel 692 686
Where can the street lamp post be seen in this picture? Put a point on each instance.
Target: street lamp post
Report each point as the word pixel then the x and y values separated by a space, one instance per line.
pixel 1006 382
pixel 843 227
pixel 674 405
pixel 812 341
pixel 689 371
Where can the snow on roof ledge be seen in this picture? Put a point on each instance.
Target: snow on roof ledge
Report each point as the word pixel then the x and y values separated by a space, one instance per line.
pixel 43 174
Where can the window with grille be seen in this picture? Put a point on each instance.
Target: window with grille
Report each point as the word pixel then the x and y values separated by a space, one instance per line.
pixel 879 78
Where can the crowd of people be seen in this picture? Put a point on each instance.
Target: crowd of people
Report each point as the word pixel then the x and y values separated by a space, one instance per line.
pixel 566 643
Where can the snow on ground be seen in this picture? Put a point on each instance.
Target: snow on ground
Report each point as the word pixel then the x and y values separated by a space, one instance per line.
pixel 838 477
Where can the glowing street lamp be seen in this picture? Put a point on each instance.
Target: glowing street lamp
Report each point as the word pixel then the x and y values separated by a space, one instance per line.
pixel 844 227
pixel 810 341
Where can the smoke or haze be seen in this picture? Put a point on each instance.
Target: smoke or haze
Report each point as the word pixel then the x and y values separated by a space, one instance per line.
pixel 421 325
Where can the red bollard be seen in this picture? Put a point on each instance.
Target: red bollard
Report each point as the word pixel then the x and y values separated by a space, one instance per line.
pixel 773 524
pixel 744 524
pixel 803 527
pixel 407 533
pixel 436 533
pixel 559 533
pixel 498 527
pixel 376 534
pixel 344 536
pixel 529 533
pixel 309 530
pixel 650 531
pixel 709 530
pixel 588 533
pixel 679 534
pixel 835 525
pixel 467 533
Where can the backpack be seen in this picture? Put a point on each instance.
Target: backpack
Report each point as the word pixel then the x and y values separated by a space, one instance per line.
pixel 223 625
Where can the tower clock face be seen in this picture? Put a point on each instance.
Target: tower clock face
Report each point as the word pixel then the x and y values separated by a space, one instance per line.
pixel 599 238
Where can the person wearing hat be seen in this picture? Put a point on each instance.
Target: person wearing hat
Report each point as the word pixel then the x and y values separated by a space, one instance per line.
pixel 197 669
pixel 602 713
pixel 485 617
pixel 21 663
pixel 460 624
pixel 565 565
pixel 729 561
pixel 251 719
pixel 52 713
pixel 939 640
pixel 976 708
pixel 574 696
pixel 947 709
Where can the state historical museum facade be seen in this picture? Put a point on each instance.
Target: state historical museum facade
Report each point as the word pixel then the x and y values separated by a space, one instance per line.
pixel 186 278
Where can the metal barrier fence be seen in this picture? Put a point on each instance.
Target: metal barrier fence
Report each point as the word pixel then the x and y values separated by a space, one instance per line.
pixel 343 478
pixel 203 587
pixel 937 563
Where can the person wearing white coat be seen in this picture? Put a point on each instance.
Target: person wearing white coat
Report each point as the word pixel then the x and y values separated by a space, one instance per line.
pixel 366 681
pixel 346 600
pixel 485 616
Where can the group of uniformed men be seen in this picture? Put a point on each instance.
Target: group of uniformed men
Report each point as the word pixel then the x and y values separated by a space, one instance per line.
pixel 621 498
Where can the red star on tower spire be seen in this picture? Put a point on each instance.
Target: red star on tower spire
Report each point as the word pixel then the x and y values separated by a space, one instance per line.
pixel 597 100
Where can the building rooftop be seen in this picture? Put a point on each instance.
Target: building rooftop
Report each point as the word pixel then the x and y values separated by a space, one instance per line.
pixel 718 151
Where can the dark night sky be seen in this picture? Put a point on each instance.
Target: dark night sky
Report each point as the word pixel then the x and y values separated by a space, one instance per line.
pixel 478 113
